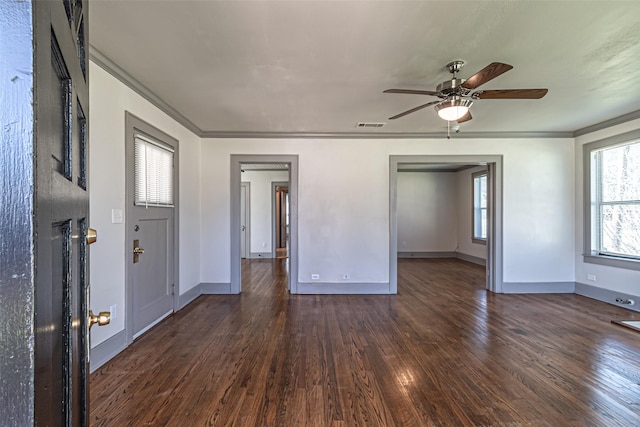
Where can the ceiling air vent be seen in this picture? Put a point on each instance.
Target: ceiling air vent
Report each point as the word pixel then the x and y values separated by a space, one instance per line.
pixel 369 125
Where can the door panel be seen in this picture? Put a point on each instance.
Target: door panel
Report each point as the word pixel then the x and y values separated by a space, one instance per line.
pixel 57 344
pixel 60 110
pixel 152 292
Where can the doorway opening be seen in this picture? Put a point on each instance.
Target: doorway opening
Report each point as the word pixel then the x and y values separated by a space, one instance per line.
pixel 487 217
pixel 280 228
pixel 271 219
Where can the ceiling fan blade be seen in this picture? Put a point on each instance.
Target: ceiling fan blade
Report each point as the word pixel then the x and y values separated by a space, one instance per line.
pixel 465 118
pixel 511 94
pixel 411 91
pixel 420 107
pixel 489 72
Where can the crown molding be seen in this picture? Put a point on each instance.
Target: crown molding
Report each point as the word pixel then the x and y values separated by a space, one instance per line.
pixel 383 135
pixel 608 123
pixel 127 79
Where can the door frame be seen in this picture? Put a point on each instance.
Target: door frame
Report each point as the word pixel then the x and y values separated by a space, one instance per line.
pixel 236 161
pixel 494 211
pixel 247 219
pixel 274 220
pixel 133 123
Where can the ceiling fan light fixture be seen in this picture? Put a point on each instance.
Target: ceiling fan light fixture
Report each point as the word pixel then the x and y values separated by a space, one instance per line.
pixel 453 109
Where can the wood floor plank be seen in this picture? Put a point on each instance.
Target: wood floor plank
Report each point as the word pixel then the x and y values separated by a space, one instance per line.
pixel 443 352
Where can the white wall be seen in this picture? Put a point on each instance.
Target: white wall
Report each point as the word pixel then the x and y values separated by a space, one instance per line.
pixel 347 231
pixel 609 278
pixel 261 216
pixel 465 214
pixel 427 212
pixel 108 102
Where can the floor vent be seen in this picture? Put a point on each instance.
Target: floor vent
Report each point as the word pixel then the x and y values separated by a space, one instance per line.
pixel 369 125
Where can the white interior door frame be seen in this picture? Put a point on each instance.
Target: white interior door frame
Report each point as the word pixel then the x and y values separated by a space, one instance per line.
pixel 494 211
pixel 235 180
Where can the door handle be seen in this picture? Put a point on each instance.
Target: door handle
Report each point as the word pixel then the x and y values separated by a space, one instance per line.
pixel 137 250
pixel 92 235
pixel 102 318
pixel 244 228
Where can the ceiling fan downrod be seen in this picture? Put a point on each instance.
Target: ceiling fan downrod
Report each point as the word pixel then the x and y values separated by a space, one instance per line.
pixel 454 67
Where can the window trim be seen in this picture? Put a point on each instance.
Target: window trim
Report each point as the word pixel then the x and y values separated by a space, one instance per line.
pixel 590 255
pixel 474 238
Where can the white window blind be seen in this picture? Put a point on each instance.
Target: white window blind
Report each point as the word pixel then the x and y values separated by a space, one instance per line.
pixel 153 169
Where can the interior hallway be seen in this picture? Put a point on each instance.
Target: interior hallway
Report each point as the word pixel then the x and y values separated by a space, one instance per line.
pixel 442 352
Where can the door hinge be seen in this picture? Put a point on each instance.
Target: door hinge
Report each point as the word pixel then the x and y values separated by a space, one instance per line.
pixel 173 289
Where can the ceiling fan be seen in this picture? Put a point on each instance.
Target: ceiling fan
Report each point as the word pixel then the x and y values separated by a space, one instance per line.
pixel 457 95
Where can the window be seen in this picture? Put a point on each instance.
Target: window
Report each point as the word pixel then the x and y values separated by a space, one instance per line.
pixel 153 172
pixel 613 214
pixel 480 207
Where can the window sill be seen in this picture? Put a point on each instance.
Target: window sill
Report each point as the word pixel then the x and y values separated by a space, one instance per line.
pixel 611 261
pixel 479 241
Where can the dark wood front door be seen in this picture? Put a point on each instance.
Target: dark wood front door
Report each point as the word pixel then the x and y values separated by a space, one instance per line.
pixel 62 212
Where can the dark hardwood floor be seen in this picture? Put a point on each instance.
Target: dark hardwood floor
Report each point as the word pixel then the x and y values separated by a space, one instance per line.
pixel 443 352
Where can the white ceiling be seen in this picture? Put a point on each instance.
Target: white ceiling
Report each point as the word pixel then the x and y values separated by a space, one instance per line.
pixel 321 66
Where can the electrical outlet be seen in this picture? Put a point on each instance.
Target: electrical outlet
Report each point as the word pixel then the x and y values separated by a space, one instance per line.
pixel 346 276
pixel 315 276
pixel 114 311
pixel 591 277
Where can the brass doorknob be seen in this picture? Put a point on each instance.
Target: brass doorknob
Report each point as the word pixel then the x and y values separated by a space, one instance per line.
pixel 103 318
pixel 92 235
pixel 138 251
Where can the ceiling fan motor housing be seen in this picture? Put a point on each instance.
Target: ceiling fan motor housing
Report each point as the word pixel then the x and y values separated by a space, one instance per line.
pixel 450 87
